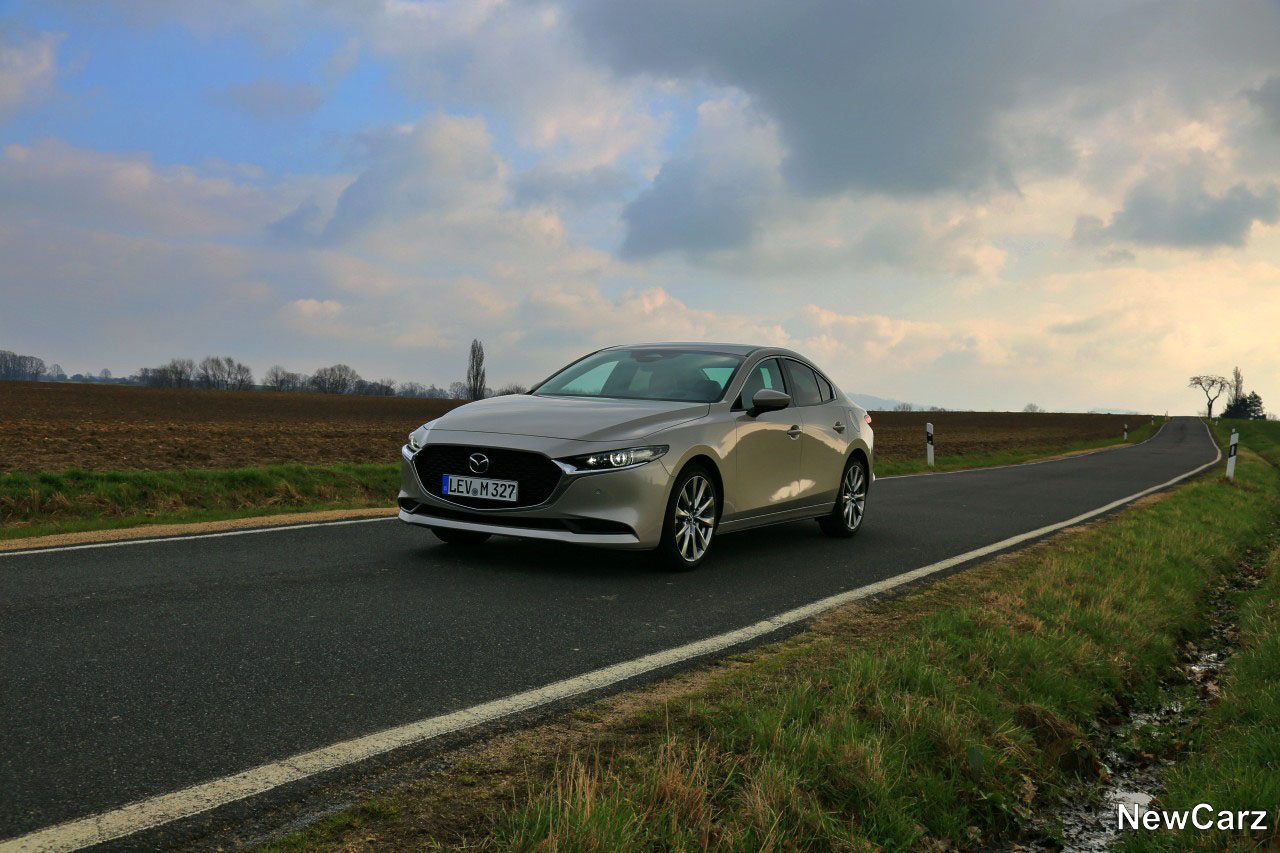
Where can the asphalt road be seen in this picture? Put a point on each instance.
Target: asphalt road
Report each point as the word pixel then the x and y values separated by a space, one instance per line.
pixel 137 670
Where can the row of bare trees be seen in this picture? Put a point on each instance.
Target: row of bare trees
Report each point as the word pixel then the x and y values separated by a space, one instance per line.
pixel 225 373
pixel 222 373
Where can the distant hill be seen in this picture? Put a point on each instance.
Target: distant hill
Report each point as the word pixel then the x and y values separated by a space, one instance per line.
pixel 872 403
pixel 1106 411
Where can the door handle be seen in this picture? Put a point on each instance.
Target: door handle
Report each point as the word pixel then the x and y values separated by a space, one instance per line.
pixel 794 432
pixel 839 427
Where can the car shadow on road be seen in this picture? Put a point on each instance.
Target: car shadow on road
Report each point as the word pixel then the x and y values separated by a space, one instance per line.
pixel 558 559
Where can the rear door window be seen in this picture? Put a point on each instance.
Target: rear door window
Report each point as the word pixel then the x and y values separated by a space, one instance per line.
pixel 804 384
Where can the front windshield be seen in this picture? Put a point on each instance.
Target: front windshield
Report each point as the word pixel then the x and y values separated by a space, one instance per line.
pixel 646 374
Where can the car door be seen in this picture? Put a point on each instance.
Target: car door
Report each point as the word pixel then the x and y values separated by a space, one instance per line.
pixel 766 463
pixel 823 439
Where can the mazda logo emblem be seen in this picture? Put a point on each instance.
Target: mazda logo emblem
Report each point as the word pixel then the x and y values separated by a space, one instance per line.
pixel 478 462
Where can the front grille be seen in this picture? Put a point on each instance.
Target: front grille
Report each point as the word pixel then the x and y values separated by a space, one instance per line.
pixel 536 474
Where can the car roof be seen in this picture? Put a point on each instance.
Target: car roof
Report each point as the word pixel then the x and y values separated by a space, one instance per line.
pixel 699 346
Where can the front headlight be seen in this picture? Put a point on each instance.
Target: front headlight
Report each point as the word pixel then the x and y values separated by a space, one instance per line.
pixel 612 460
pixel 418 437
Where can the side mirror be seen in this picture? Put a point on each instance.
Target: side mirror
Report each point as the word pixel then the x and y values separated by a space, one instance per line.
pixel 768 400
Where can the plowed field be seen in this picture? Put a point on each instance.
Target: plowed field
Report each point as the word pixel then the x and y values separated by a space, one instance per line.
pixel 54 426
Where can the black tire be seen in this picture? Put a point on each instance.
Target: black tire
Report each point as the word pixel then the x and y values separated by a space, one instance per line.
pixel 454 536
pixel 845 518
pixel 687 539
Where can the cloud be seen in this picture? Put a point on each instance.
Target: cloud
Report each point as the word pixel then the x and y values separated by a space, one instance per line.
pixel 905 97
pixel 274 99
pixel 55 182
pixel 583 188
pixel 27 70
pixel 1267 99
pixel 1175 209
pixel 444 163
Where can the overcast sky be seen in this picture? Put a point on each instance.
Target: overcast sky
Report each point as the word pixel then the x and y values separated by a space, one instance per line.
pixel 973 205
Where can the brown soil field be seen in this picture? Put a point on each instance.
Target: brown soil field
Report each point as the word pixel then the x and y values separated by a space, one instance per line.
pixel 52 426
pixel 900 435
pixel 48 426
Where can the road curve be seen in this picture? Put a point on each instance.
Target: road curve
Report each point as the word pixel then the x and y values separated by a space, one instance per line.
pixel 136 670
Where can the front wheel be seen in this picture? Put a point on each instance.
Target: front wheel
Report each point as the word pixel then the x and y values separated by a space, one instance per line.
pixel 453 536
pixel 845 518
pixel 690 522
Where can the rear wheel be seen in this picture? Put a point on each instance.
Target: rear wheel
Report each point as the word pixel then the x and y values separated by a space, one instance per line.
pixel 690 522
pixel 454 536
pixel 845 518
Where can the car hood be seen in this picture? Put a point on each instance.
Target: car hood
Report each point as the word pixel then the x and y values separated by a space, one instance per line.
pixel 577 418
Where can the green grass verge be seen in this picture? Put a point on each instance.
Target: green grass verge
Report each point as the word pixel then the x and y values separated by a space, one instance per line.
pixel 1235 749
pixel 1262 437
pixel 887 467
pixel 39 504
pixel 941 719
pixel 1234 761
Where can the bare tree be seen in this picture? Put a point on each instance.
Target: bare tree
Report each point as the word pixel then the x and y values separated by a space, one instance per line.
pixel 278 379
pixel 903 407
pixel 23 367
pixel 1212 386
pixel 475 372
pixel 512 388
pixel 337 379
pixel 1031 408
pixel 104 375
pixel 1237 385
pixel 417 389
pixel 459 391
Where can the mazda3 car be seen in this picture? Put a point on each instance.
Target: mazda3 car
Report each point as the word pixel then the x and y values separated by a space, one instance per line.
pixel 653 446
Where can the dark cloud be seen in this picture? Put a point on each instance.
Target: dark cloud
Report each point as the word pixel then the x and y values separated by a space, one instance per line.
pixel 687 210
pixel 1267 99
pixel 541 185
pixel 1176 210
pixel 910 98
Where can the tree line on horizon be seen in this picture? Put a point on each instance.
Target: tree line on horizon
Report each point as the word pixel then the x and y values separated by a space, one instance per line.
pixel 224 373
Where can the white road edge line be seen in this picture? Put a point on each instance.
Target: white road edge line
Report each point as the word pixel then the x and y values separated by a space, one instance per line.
pixel 154 539
pixel 1121 446
pixel 155 811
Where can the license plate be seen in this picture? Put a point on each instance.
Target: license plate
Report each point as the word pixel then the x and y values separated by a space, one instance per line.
pixel 473 487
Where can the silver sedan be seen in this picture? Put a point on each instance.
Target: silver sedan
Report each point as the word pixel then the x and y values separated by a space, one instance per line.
pixel 652 446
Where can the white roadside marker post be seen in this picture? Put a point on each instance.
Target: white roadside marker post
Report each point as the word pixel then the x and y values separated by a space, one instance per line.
pixel 928 443
pixel 1231 456
pixel 1126 432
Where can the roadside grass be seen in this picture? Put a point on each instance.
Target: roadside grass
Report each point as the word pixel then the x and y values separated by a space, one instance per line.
pixel 75 500
pixel 891 467
pixel 943 718
pixel 1233 757
pixel 1262 437
pixel 1234 753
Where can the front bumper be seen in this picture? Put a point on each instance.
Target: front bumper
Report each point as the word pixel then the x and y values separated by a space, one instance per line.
pixel 611 509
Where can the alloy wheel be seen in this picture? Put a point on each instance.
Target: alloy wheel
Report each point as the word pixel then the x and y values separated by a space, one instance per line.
pixel 695 518
pixel 853 496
